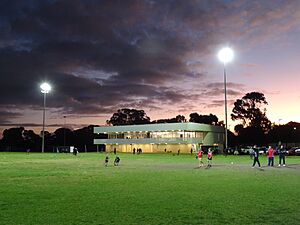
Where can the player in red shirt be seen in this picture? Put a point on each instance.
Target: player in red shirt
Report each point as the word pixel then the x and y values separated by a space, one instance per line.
pixel 200 155
pixel 270 156
pixel 209 157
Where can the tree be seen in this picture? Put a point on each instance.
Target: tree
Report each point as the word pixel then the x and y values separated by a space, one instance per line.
pixel 206 119
pixel 238 128
pixel 128 117
pixel 32 140
pixel 251 136
pixel 194 117
pixel 251 111
pixel 13 138
pixel 84 139
pixel 177 119
pixel 63 136
pixel 180 118
pixel 287 133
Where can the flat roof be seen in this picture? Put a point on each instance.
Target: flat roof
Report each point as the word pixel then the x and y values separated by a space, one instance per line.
pixel 160 127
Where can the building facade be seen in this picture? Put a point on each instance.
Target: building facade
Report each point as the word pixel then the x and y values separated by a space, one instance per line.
pixel 164 137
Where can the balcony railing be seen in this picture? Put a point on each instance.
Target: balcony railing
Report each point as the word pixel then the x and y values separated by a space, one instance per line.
pixel 149 141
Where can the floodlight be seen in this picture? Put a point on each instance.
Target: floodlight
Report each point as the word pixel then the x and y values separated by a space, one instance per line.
pixel 45 88
pixel 225 55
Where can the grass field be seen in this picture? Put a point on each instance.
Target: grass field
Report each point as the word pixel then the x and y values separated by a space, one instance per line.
pixel 145 189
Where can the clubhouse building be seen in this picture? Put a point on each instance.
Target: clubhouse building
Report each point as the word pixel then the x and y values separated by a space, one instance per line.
pixel 163 137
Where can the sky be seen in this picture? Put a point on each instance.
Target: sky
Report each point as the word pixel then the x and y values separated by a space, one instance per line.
pixel 159 56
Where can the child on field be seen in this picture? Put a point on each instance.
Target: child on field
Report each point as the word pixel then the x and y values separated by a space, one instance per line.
pixel 209 157
pixel 200 155
pixel 117 160
pixel 256 155
pixel 106 160
pixel 270 156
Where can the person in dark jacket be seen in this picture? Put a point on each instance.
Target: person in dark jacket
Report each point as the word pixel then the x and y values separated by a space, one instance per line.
pixel 117 160
pixel 256 155
pixel 281 152
pixel 106 160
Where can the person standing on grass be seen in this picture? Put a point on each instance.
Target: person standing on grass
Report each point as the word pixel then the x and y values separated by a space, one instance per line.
pixel 209 157
pixel 106 160
pixel 256 155
pixel 200 155
pixel 270 156
pixel 75 151
pixel 117 160
pixel 281 152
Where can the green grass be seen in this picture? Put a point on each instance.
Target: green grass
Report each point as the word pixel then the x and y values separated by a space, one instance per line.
pixel 145 189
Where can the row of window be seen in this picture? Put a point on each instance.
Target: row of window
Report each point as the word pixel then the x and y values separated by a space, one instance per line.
pixel 157 135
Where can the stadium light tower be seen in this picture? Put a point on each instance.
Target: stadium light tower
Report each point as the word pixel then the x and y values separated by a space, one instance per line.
pixel 45 88
pixel 225 55
pixel 65 130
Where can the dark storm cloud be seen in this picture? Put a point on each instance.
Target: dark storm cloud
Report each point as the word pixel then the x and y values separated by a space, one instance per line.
pixel 218 103
pixel 29 126
pixel 6 115
pixel 103 55
pixel 217 89
pixel 51 40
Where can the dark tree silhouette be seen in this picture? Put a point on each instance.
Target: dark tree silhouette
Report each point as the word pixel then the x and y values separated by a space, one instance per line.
pixel 19 139
pixel 238 128
pixel 251 136
pixel 32 140
pixel 194 117
pixel 180 118
pixel 206 119
pixel 84 139
pixel 177 119
pixel 288 133
pixel 63 136
pixel 129 117
pixel 12 139
pixel 251 111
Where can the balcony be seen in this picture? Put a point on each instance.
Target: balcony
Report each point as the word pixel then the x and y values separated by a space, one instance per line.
pixel 150 141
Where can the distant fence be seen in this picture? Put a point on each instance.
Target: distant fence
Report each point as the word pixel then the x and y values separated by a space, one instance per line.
pixel 12 149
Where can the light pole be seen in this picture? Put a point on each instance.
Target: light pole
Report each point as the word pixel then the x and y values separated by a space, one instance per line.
pixel 65 130
pixel 225 55
pixel 45 88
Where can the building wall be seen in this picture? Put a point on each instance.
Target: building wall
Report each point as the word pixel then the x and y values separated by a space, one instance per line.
pixel 160 127
pixel 211 138
pixel 151 148
pixel 158 137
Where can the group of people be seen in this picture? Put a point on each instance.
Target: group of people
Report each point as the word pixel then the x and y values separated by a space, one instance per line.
pixel 270 153
pixel 209 157
pixel 116 161
pixel 138 151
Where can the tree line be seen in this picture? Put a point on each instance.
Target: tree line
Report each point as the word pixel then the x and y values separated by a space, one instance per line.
pixel 20 139
pixel 250 111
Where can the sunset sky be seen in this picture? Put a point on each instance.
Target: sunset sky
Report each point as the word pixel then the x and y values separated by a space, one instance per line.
pixel 159 56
